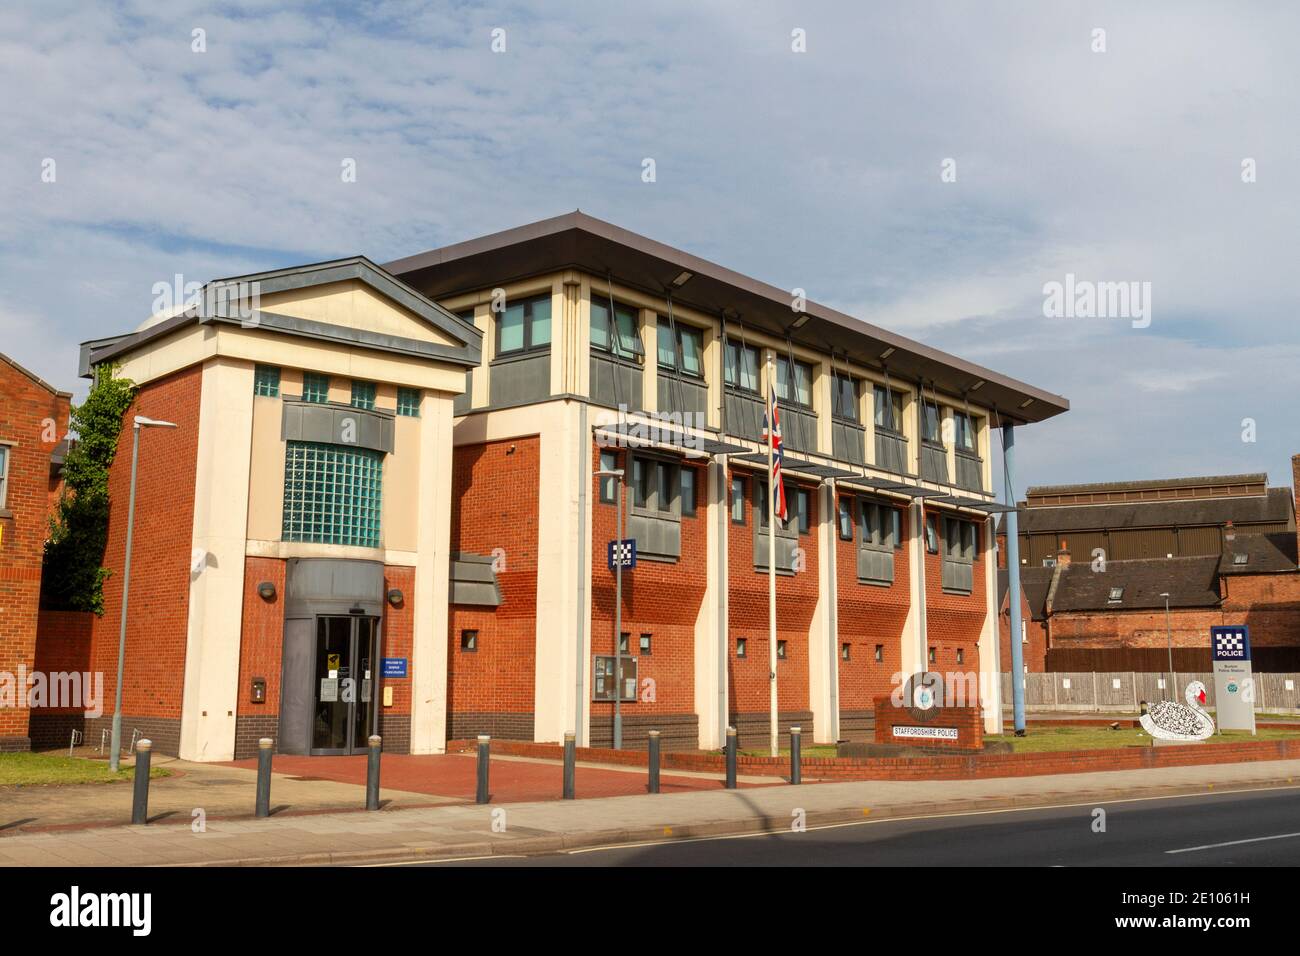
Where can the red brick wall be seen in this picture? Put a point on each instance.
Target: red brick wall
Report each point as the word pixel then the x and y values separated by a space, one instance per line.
pixel 796 598
pixel 157 624
pixel 35 420
pixel 1035 652
pixel 64 645
pixel 494 502
pixel 261 638
pixel 660 598
pixel 399 638
pixel 954 621
pixel 967 720
pixel 870 615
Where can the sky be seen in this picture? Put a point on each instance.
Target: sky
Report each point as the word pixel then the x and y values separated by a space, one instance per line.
pixel 930 167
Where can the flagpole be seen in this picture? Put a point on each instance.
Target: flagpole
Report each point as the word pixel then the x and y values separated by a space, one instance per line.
pixel 771 553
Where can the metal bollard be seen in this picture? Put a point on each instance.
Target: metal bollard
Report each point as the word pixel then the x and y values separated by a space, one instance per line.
pixel 264 777
pixel 484 742
pixel 570 761
pixel 796 771
pixel 372 773
pixel 731 758
pixel 140 801
pixel 654 761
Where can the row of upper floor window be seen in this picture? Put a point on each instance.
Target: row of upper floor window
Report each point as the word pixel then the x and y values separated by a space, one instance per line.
pixel 316 388
pixel 524 325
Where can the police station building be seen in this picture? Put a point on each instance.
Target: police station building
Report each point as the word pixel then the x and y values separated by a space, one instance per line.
pixel 381 510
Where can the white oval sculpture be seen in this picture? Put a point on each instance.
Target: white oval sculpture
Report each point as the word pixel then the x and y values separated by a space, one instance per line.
pixel 1173 721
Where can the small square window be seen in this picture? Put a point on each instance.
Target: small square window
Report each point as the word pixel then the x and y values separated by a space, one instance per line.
pixel 469 641
pixel 408 402
pixel 1116 594
pixel 644 644
pixel 266 381
pixel 1240 558
pixel 363 395
pixel 315 388
pixel 608 485
pixel 880 653
pixel 780 650
pixel 742 646
pixel 933 655
pixel 844 652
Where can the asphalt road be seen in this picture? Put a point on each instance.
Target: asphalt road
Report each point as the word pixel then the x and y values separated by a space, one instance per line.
pixel 1260 828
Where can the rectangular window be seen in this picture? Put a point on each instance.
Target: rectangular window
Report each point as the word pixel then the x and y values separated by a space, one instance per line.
pixel 961 656
pixel 315 388
pixel 469 641
pixel 931 537
pixel 742 647
pixel 933 655
pixel 896 527
pixel 794 382
pixel 641 472
pixel 930 423
pixel 665 487
pixel 363 394
pixel 332 494
pixel 870 524
pixel 4 474
pixel 803 507
pixel 844 652
pixel 740 367
pixel 688 490
pixel 408 402
pixel 889 409
pixel 780 650
pixel 266 381
pixel 683 353
pixel 795 499
pixel 965 426
pixel 524 326
pixel 846 398
pixel 846 519
pixel 608 485
pixel 644 645
pixel 619 337
pixel 737 500
pixel 623 640
pixel 880 653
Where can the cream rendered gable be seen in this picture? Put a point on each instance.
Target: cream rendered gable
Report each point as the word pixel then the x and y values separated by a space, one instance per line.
pixel 354 305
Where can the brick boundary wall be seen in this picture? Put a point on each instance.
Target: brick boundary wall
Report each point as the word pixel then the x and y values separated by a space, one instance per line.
pixel 165 732
pixel 506 725
pixel 395 730
pixel 956 767
pixel 676 731
pixel 250 728
pixel 754 729
pixel 857 725
pixel 968 721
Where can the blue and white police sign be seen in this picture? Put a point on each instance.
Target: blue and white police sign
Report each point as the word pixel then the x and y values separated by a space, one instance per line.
pixel 1234 684
pixel 1230 643
pixel 622 551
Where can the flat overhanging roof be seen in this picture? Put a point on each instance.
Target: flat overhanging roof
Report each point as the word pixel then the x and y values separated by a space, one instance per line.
pixel 578 241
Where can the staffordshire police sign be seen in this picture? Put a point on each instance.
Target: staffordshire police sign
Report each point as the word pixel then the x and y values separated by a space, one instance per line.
pixel 1234 688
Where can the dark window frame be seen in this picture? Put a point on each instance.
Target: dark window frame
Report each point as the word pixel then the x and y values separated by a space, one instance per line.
pixel 613 348
pixel 679 354
pixel 786 378
pixel 738 496
pixel 854 416
pixel 529 347
pixel 469 640
pixel 607 493
pixel 742 647
pixel 727 364
pixel 896 404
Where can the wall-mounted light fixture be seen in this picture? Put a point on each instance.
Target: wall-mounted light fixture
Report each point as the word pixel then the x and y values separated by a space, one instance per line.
pixel 977 386
pixel 887 352
pixel 1026 403
pixel 800 322
pixel 683 277
pixel 395 597
pixel 266 590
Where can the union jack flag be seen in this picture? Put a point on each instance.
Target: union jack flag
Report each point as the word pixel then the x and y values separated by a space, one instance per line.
pixel 773 437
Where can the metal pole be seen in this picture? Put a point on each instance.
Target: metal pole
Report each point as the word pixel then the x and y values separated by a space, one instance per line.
pixel 654 761
pixel 114 757
pixel 796 755
pixel 570 761
pixel 140 796
pixel 481 795
pixel 1013 581
pixel 618 618
pixel 771 561
pixel 264 777
pixel 1169 643
pixel 372 773
pixel 731 758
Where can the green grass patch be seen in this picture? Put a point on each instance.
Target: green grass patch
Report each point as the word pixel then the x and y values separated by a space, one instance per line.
pixel 1048 739
pixel 817 750
pixel 43 770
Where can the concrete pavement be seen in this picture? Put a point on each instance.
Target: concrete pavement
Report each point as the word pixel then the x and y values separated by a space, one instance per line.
pixel 526 828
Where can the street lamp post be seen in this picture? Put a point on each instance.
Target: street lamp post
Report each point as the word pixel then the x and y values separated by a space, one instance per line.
pixel 114 758
pixel 617 473
pixel 1169 644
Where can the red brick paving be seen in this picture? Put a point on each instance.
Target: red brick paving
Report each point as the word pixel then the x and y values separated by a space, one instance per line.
pixel 453 775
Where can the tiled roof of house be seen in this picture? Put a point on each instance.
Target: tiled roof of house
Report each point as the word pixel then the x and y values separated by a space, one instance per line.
pixel 1259 554
pixel 1190 582
pixel 1275 506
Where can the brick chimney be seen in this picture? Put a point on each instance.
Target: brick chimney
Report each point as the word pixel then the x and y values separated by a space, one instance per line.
pixel 1063 555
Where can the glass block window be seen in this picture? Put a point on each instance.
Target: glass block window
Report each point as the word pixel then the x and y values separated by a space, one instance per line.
pixel 332 494
pixel 363 394
pixel 408 402
pixel 266 381
pixel 315 388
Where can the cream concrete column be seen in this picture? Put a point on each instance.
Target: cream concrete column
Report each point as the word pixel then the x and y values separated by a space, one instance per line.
pixel 948 432
pixel 479 384
pixel 823 405
pixel 432 578
pixel 650 370
pixel 211 682
pixel 990 645
pixel 914 658
pixel 559 339
pixel 710 630
pixel 823 657
pixel 711 361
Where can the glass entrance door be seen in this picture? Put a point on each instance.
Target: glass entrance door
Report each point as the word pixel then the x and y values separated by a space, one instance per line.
pixel 345 673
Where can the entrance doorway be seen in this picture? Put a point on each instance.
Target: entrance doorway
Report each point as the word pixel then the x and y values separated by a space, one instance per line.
pixel 346 674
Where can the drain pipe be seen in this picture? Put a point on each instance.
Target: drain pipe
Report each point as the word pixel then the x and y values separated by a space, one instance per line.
pixel 579 664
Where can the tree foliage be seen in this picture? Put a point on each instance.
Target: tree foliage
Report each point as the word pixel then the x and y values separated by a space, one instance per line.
pixel 73 576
